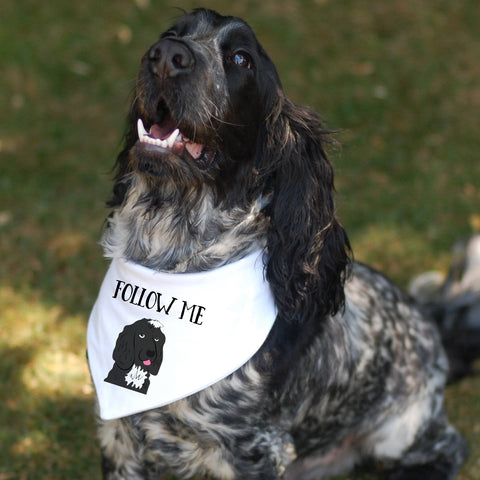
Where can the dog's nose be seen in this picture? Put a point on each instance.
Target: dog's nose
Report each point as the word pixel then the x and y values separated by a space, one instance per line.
pixel 169 58
pixel 150 353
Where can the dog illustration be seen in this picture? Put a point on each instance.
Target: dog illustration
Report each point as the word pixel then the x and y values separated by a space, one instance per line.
pixel 138 354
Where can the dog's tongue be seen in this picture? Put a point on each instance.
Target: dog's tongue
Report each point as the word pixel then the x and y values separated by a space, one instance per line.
pixel 163 133
pixel 147 362
pixel 194 149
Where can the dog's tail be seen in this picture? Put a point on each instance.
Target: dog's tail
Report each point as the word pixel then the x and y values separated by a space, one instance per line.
pixel 454 303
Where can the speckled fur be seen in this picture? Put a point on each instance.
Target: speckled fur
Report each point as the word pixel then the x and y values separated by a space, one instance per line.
pixel 351 372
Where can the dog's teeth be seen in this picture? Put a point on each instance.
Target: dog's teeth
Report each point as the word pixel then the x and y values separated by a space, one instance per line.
pixel 173 137
pixel 154 141
pixel 141 130
pixel 159 143
pixel 167 143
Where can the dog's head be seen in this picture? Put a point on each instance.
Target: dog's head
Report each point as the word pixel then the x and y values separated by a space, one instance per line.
pixel 140 343
pixel 202 94
pixel 209 113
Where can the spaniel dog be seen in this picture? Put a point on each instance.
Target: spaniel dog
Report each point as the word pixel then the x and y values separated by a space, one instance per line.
pixel 138 354
pixel 218 163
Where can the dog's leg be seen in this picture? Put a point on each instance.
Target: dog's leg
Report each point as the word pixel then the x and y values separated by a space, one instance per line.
pixel 335 461
pixel 111 470
pixel 437 454
pixel 122 458
pixel 132 471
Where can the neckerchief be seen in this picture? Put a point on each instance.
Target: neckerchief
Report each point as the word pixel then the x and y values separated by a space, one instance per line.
pixel 154 337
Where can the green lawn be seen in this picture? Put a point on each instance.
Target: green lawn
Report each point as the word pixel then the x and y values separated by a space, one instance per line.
pixel 400 79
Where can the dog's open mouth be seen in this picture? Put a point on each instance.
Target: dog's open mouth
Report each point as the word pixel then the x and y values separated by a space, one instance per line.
pixel 172 140
pixel 165 135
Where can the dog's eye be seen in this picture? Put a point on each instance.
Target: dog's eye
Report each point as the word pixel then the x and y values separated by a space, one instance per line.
pixel 156 339
pixel 141 335
pixel 242 59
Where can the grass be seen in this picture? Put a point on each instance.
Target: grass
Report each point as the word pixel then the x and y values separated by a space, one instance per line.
pixel 400 79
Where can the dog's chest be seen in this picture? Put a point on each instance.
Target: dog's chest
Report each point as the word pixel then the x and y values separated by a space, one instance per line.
pixel 180 236
pixel 230 411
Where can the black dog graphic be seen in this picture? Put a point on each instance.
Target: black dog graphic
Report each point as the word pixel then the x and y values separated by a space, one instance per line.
pixel 138 354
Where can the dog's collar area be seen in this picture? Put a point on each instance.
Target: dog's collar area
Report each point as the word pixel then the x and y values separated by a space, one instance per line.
pixel 209 323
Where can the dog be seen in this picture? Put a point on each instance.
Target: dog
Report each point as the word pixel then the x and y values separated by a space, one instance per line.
pixel 138 354
pixel 218 163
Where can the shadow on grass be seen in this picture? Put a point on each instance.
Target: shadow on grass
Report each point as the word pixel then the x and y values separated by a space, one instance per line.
pixel 46 433
pixel 44 436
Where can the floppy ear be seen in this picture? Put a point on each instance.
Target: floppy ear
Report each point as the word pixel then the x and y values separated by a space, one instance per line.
pixel 155 366
pixel 124 354
pixel 307 247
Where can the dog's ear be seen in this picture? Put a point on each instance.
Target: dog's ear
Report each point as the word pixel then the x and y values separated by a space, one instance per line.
pixel 155 366
pixel 307 247
pixel 124 352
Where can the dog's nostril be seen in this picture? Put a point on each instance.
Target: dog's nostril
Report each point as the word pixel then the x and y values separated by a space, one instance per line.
pixel 178 61
pixel 154 54
pixel 169 58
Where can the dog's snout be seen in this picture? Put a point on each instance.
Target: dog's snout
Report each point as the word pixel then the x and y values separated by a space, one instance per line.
pixel 150 353
pixel 169 58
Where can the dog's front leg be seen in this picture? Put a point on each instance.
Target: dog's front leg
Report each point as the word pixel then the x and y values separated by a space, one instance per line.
pixel 263 453
pixel 128 469
pixel 251 453
pixel 122 455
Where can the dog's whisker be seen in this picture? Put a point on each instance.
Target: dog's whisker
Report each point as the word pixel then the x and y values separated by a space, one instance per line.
pixel 231 124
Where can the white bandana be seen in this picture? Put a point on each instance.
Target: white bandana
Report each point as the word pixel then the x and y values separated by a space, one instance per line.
pixel 155 337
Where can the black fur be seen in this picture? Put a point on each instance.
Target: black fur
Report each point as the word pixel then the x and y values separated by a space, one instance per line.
pixel 351 371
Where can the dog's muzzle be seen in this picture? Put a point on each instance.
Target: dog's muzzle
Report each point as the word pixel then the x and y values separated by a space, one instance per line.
pixel 170 58
pixel 173 120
